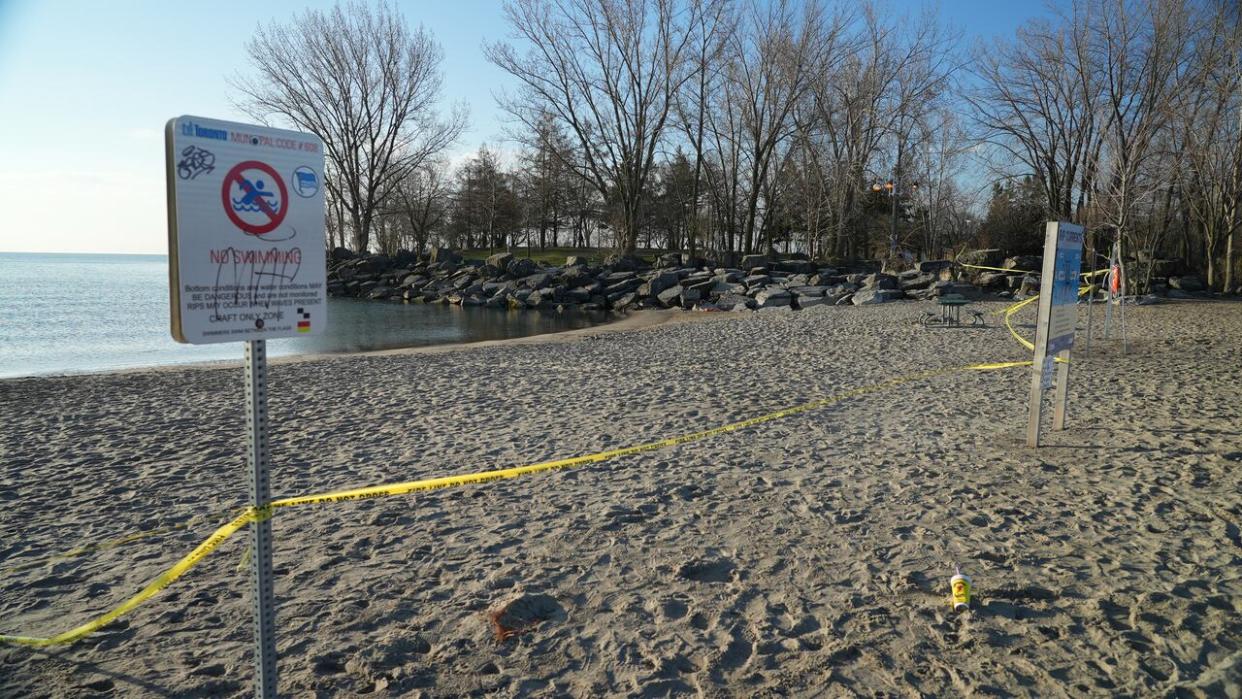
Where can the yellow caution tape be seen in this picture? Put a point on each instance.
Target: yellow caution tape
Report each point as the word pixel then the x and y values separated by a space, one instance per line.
pixel 253 514
pixel 1024 271
pixel 110 544
pixel 996 269
pixel 164 580
pixel 1014 308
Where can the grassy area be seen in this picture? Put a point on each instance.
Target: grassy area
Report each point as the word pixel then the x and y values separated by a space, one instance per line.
pixel 556 256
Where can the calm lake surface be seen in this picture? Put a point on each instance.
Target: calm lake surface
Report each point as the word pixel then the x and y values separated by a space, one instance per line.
pixel 71 313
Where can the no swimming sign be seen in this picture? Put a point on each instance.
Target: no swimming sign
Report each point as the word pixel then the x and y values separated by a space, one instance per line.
pixel 245 231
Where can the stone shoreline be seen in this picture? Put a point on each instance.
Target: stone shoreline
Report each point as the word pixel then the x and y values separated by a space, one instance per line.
pixel 680 281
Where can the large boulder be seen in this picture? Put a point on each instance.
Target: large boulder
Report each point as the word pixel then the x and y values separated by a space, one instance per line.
pixel 734 302
pixel 840 291
pixel 989 257
pixel 576 261
pixel 773 297
pixel 880 281
pixel 752 261
pixel 825 278
pixel 500 260
pixel 1025 263
pixel 1029 285
pixel 658 283
pixel 381 292
pixel 439 254
pixel 865 297
pixel 623 301
pixel 519 267
pixel 623 286
pixel 950 288
pixel 624 263
pixel 795 267
pixel 703 286
pixel 670 296
pixel 372 264
pixel 932 266
pixel 810 301
pixel 920 281
pixel 1187 283
pixel 993 280
pixel 540 280
pixel 817 291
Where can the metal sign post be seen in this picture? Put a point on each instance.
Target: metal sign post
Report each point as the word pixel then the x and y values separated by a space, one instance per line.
pixel 247 263
pixel 1054 330
pixel 262 596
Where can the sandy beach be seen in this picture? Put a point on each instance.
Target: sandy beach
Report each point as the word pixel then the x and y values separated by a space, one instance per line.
pixel 805 557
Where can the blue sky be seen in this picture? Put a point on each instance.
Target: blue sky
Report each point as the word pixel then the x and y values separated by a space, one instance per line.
pixel 86 87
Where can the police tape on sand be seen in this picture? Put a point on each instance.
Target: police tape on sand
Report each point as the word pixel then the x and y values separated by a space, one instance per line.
pixel 252 514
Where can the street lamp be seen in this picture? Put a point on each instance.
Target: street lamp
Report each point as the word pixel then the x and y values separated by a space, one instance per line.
pixel 891 189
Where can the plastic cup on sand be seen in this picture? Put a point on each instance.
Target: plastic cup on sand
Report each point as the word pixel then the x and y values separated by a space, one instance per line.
pixel 960 584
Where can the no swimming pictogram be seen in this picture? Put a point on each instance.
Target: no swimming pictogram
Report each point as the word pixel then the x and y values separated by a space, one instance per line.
pixel 250 200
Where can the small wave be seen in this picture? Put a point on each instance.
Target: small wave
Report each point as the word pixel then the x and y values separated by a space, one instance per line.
pixel 239 205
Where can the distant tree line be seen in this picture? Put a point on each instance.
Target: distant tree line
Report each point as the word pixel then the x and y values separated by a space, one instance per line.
pixel 841 131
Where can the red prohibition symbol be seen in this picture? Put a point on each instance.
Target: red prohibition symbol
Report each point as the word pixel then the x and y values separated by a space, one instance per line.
pixel 257 210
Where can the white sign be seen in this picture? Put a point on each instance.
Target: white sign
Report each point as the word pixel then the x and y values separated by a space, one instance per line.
pixel 245 231
pixel 1067 264
pixel 1057 316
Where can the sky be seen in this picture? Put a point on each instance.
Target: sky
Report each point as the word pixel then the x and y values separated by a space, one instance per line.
pixel 86 88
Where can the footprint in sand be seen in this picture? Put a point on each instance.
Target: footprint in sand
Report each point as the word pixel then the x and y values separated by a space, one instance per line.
pixel 717 570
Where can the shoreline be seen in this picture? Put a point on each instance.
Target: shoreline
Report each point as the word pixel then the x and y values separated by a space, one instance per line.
pixel 632 320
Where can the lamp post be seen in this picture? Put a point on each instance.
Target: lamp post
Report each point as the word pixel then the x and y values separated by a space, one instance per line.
pixel 891 188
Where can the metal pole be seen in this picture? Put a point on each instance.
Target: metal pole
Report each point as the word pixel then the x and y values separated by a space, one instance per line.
pixel 1121 309
pixel 257 455
pixel 892 235
pixel 1061 396
pixel 1090 303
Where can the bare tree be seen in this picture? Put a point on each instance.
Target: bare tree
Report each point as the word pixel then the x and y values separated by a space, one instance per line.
pixel 421 201
pixel 1209 118
pixel 1038 104
pixel 710 34
pixel 884 80
pixel 772 58
pixel 609 70
pixel 937 165
pixel 1140 48
pixel 359 79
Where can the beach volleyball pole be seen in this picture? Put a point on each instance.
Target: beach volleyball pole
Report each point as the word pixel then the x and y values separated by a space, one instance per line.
pixel 258 457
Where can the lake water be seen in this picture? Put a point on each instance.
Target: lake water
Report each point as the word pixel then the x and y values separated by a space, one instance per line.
pixel 69 313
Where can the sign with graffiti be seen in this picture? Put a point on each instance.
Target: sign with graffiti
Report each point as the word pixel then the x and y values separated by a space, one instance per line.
pixel 246 259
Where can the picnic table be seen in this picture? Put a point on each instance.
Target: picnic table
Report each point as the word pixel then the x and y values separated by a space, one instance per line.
pixel 951 312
